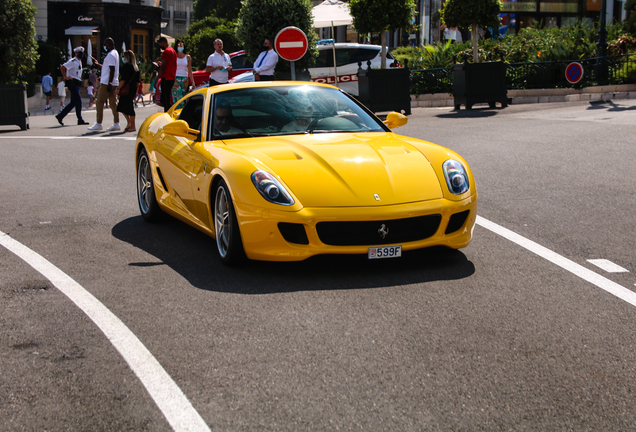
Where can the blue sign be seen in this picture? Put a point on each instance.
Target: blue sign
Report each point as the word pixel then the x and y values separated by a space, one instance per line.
pixel 574 72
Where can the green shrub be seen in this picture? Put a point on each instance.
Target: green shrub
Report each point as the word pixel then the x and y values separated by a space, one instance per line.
pixel 412 54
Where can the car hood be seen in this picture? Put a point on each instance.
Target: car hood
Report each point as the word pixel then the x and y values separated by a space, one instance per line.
pixel 344 170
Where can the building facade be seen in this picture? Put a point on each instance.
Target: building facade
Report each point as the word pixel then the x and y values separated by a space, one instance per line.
pixel 176 17
pixel 133 24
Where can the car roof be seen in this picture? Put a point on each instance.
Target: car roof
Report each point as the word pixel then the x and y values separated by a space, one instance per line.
pixel 256 84
pixel 348 45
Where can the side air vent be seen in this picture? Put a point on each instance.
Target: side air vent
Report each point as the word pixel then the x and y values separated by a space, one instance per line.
pixel 457 221
pixel 293 233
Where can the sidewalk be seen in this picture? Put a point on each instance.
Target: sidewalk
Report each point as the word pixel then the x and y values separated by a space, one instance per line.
pixel 623 91
pixel 38 102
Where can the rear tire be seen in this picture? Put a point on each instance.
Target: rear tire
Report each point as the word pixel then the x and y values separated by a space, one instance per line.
pixel 228 236
pixel 146 197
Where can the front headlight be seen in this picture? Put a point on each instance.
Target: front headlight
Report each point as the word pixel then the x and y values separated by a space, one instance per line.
pixel 271 189
pixel 456 177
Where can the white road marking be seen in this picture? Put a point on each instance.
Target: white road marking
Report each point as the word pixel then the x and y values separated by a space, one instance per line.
pixel 608 266
pixel 174 405
pixel 83 137
pixel 569 265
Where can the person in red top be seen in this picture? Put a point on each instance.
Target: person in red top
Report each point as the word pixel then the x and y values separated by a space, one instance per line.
pixel 167 72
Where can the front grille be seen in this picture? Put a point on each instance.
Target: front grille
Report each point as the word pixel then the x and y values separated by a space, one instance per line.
pixel 369 233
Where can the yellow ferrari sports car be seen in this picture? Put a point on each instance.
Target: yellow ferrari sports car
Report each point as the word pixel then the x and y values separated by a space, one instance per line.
pixel 282 171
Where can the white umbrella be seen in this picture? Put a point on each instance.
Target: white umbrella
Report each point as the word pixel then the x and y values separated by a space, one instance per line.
pixel 70 49
pixel 331 13
pixel 89 53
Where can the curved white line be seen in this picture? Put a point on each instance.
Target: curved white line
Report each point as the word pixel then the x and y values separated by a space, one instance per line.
pixel 605 284
pixel 174 405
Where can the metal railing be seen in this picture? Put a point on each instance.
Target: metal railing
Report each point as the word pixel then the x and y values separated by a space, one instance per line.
pixel 536 75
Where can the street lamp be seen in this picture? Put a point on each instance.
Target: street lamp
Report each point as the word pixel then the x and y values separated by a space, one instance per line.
pixel 601 47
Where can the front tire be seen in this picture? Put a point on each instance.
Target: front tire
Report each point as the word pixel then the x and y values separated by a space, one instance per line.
pixel 146 197
pixel 228 236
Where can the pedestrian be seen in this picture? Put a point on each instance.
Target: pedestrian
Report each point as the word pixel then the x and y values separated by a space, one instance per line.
pixel 140 92
pixel 47 88
pixel 184 78
pixel 127 89
pixel 167 72
pixel 61 92
pixel 107 86
pixel 265 63
pixel 72 72
pixel 153 83
pixel 91 94
pixel 92 77
pixel 219 65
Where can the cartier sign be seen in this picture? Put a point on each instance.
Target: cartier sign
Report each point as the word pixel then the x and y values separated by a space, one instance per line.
pixel 519 7
pixel 83 18
pixel 140 21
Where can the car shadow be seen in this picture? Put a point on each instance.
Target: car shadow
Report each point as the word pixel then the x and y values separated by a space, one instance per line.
pixel 609 106
pixel 480 112
pixel 193 255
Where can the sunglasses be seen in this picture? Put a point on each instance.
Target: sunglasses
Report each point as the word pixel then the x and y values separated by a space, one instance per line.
pixel 221 118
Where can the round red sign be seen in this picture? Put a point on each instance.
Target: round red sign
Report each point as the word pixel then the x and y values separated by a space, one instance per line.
pixel 574 72
pixel 291 43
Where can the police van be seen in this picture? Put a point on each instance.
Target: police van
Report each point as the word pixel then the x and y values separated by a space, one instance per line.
pixel 347 57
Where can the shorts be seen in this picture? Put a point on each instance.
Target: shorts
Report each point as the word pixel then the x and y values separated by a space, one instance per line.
pixel 48 93
pixel 90 95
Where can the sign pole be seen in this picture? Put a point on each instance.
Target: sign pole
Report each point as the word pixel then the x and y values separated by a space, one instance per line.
pixel 291 44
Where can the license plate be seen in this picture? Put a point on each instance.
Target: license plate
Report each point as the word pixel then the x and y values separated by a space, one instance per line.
pixel 385 252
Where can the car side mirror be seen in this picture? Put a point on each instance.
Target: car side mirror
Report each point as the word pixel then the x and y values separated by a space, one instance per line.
pixel 181 129
pixel 395 119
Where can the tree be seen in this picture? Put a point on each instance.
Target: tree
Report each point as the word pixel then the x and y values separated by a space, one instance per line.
pixel 259 19
pixel 202 34
pixel 370 16
pixel 470 14
pixel 228 9
pixel 18 50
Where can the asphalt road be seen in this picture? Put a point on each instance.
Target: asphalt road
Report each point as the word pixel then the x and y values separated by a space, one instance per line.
pixel 514 332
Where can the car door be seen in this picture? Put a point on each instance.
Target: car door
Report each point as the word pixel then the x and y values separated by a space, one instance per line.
pixel 177 159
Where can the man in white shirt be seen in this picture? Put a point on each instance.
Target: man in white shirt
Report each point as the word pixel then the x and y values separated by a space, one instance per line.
pixel 72 73
pixel 266 62
pixel 107 85
pixel 218 65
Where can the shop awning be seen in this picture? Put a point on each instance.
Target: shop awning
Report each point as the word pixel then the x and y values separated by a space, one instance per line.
pixel 331 12
pixel 80 30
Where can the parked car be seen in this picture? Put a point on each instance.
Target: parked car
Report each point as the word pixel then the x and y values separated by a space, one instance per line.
pixel 282 171
pixel 347 57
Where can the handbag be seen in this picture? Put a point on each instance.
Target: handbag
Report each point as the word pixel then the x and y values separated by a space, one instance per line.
pixel 124 90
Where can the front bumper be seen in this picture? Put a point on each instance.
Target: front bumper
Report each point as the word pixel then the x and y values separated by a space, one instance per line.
pixel 262 238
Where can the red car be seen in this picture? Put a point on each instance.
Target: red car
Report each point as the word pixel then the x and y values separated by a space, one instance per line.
pixel 240 64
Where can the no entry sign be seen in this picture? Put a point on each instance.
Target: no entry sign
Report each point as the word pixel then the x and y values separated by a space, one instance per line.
pixel 291 43
pixel 574 72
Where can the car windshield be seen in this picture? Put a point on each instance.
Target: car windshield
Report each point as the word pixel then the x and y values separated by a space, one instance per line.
pixel 269 111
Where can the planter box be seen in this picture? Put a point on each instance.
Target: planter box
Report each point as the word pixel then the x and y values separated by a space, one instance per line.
pixel 13 105
pixel 480 83
pixel 385 89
